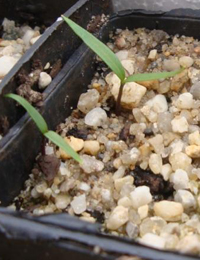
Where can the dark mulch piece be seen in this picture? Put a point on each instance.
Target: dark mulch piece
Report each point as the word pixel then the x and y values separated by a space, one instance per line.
pixel 56 68
pixel 124 134
pixel 78 133
pixel 99 216
pixel 158 186
pixel 4 125
pixel 49 165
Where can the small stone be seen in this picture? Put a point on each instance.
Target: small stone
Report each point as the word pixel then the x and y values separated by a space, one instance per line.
pixel 125 202
pixel 155 163
pixel 120 42
pixel 29 34
pixel 119 183
pixel 84 186
pixel 6 64
pixel 41 187
pixel 132 231
pixel 195 90
pixel 34 39
pixel 166 171
pixel 180 161
pixel 186 61
pixel 186 199
pixel 96 117
pixel 75 143
pixel 44 80
pixel 62 201
pixel 152 225
pixel 143 211
pixel 106 195
pixel 79 204
pixel 129 66
pixel 153 241
pixel 130 157
pixel 122 55
pixel 164 122
pixel 164 87
pixel 180 179
pixel 171 65
pixel 88 101
pixel 168 210
pixel 185 101
pixel 118 218
pixel 178 81
pixel 193 151
pixel 90 164
pixel 194 138
pixel 189 244
pixel 140 196
pixel 35 194
pixel 158 103
pixel 152 54
pixel 180 125
pixel 157 143
pixel 131 96
pixel 91 147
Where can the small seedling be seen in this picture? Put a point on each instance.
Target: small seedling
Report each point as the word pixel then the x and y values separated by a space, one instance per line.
pixel 42 126
pixel 112 61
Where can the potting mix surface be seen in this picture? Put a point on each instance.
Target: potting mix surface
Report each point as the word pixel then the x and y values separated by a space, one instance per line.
pixel 140 174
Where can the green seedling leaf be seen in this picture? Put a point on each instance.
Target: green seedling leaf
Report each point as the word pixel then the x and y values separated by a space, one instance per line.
pixel 99 48
pixel 152 76
pixel 58 140
pixel 34 114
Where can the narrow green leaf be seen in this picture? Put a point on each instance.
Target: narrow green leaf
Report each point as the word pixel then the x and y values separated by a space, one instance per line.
pixel 152 76
pixel 34 114
pixel 99 48
pixel 59 141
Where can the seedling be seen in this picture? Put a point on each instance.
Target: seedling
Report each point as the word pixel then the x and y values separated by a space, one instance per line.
pixel 42 126
pixel 112 61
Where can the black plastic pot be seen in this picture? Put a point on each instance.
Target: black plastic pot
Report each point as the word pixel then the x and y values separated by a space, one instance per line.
pixel 60 235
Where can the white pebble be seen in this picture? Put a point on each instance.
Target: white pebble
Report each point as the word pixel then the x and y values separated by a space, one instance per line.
pixel 140 196
pixel 180 161
pixel 125 202
pixel 91 164
pixel 118 218
pixel 129 66
pixel 91 147
pixel 122 55
pixel 143 211
pixel 186 61
pixel 155 163
pixel 6 64
pixel 193 151
pixel 194 138
pixel 84 186
pixel 153 240
pixel 186 199
pixel 185 101
pixel 180 125
pixel 180 179
pixel 79 204
pixel 96 117
pixel 152 54
pixel 131 96
pixel 88 101
pixel 62 201
pixel 34 39
pixel 189 244
pixel 166 171
pixel 29 34
pixel 119 183
pixel 171 65
pixel 44 80
pixel 168 210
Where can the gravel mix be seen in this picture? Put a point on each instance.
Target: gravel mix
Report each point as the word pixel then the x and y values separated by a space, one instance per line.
pixel 140 172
